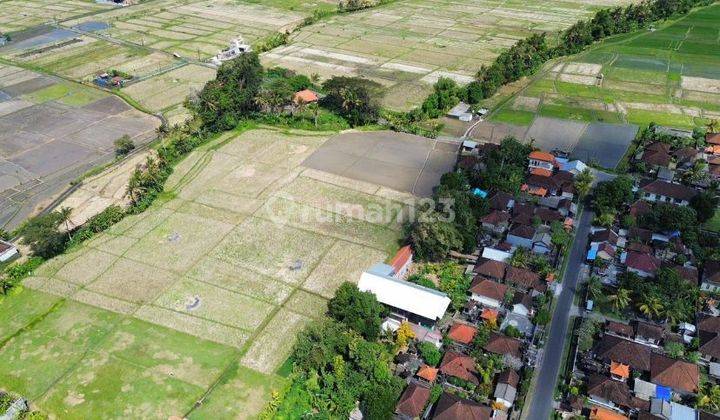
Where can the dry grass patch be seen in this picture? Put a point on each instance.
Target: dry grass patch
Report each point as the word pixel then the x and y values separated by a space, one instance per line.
pixel 132 281
pixel 86 267
pixel 267 351
pixel 307 304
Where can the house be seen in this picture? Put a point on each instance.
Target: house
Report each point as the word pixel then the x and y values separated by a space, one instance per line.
pixel 506 388
pixel 709 334
pixel 401 262
pixel 305 96
pixel 496 254
pixel 501 201
pixel 619 329
pixel 413 401
pixel 460 366
pixel 522 236
pixel 644 265
pixel 616 349
pixel 428 373
pixel 8 251
pixel 656 155
pixel 646 333
pixel 522 304
pixel 685 157
pixel 604 391
pixel 667 192
pixel 541 163
pixel 604 235
pixel 575 167
pixel 504 345
pixel 711 277
pixel 427 335
pixel 521 322
pixel 462 333
pixel 670 410
pixel 619 371
pixel 488 292
pixel 600 413
pixel 496 222
pixel 564 206
pixel 605 251
pixel 452 407
pixel 523 213
pixel 643 389
pixel 491 269
pixel 524 279
pixel 561 183
pixel 639 208
pixel 542 243
pixel 418 303
pixel 681 376
pixel 461 112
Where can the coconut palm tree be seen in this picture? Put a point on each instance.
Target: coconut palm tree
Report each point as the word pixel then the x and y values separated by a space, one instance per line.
pixel 709 397
pixel 620 299
pixel 594 287
pixel 651 306
pixel 65 213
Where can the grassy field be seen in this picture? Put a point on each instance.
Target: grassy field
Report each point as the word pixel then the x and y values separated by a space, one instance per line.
pixel 670 76
pixel 201 295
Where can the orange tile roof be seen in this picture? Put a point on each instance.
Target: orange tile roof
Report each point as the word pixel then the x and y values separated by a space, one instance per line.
pixel 462 333
pixel 305 96
pixel 544 156
pixel 541 172
pixel 428 373
pixel 619 369
pixel 539 191
pixel 401 258
pixel 599 413
pixel 489 314
pixel 715 150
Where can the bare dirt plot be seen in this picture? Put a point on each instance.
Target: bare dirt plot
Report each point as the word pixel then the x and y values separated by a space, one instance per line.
pixel 284 324
pixel 345 261
pixel 701 84
pixel 132 281
pixel 272 249
pixel 178 242
pixel 169 89
pixel 604 144
pixel 399 161
pixel 551 133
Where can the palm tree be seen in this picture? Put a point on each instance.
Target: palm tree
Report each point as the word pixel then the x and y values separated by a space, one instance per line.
pixel 620 300
pixel 315 108
pixel 713 126
pixel 583 182
pixel 594 287
pixel 65 213
pixel 651 306
pixel 675 311
pixel 709 397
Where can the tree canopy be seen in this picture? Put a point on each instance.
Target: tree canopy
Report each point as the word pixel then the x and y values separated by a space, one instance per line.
pixel 358 310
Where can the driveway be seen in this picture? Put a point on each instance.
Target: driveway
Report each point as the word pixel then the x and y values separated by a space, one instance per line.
pixel 547 375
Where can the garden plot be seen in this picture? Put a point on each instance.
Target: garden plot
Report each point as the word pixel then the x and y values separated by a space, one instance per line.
pixel 413 43
pixel 266 353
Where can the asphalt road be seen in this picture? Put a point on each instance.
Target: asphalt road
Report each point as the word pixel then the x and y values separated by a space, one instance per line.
pixel 542 400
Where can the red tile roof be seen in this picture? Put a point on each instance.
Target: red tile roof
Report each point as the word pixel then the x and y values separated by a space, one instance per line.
pixel 541 172
pixel 543 156
pixel 428 373
pixel 599 413
pixel 669 189
pixel 488 288
pixel 402 257
pixel 451 407
pixel 501 344
pixel 413 400
pixel 522 277
pixel 677 374
pixel 490 268
pixel 712 138
pixel 460 366
pixel 305 96
pixel 462 333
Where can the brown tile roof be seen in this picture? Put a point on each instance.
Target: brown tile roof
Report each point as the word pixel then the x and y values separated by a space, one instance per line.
pixel 462 333
pixel 643 262
pixel 488 288
pixel 711 271
pixel 658 146
pixel 616 349
pixel 609 389
pixel 523 231
pixel 520 298
pixel 712 138
pixel 501 344
pixel 640 234
pixel 618 328
pixel 640 207
pixel 496 217
pixel 460 366
pixel 656 155
pixel 709 323
pixel 413 400
pixel 600 413
pixel 709 344
pixel 649 331
pixel 605 235
pixel 669 189
pixel 548 215
pixel 509 377
pixel 639 247
pixel 451 407
pixel 500 200
pixel 685 154
pixel 490 268
pixel 677 374
pixel 522 277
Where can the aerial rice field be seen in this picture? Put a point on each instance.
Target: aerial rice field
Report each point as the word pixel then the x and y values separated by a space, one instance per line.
pixel 207 287
pixel 669 75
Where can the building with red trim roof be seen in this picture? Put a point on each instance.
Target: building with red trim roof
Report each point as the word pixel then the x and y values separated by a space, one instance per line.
pixel 681 376
pixel 413 400
pixel 305 96
pixel 488 292
pixel 460 366
pixel 644 265
pixel 462 333
pixel 401 261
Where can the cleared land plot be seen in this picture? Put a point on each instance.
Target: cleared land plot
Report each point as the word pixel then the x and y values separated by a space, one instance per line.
pixel 407 45
pixel 550 133
pixel 16 15
pixel 668 76
pixel 403 162
pixel 58 131
pixel 196 287
pixel 604 144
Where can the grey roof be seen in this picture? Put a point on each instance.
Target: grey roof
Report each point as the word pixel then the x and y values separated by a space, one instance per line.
pixel 644 388
pixel 518 321
pixel 505 391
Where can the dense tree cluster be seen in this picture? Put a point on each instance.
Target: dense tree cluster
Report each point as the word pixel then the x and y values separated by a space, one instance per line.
pixel 358 310
pixel 353 98
pixel 668 296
